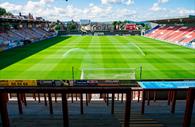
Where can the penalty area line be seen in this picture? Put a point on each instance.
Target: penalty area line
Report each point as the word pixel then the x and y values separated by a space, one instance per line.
pixel 140 50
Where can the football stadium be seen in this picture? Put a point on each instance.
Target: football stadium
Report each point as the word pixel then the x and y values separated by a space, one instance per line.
pixel 97 57
pixel 101 63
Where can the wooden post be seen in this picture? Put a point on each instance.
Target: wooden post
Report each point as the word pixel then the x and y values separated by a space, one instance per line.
pixel 50 104
pixel 138 96
pixel 90 97
pixel 174 93
pixel 189 107
pixel 148 97
pixel 19 103
pixel 154 96
pixel 169 97
pixel 55 97
pixel 122 98
pixel 72 97
pixel 34 96
pixel 3 110
pixel 143 102
pixel 81 104
pixel 45 99
pixel 76 97
pixel 86 99
pixel 39 100
pixel 24 98
pixel 127 109
pixel 112 107
pixel 118 96
pixel 65 110
pixel 104 97
pixel 107 99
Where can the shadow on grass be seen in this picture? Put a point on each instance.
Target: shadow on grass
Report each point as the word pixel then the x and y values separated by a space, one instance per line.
pixel 12 56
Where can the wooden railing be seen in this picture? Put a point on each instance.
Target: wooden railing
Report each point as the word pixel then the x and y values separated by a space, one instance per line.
pixel 189 107
pixel 83 90
pixel 64 91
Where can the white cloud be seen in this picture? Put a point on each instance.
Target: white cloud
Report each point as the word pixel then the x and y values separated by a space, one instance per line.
pixel 163 1
pixel 92 11
pixel 167 13
pixel 127 2
pixel 157 6
pixel 46 1
pixel 183 11
pixel 11 7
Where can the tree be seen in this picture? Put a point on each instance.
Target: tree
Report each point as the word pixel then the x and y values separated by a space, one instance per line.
pixel 72 25
pixel 114 24
pixel 119 22
pixel 57 27
pixel 119 25
pixel 9 14
pixel 147 27
pixel 2 11
pixel 126 21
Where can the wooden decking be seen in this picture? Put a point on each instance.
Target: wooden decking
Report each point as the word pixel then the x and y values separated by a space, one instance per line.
pixel 97 114
pixel 136 120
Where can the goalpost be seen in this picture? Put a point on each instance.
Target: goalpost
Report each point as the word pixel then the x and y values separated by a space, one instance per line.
pixel 108 74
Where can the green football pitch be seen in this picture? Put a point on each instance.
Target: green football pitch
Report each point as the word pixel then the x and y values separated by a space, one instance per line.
pixel 96 57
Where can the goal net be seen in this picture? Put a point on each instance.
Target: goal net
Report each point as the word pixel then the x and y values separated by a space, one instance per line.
pixel 108 74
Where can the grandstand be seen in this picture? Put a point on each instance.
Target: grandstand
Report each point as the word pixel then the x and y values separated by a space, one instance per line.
pixel 21 34
pixel 183 33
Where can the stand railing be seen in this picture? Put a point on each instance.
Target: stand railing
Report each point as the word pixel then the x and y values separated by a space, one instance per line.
pixel 64 91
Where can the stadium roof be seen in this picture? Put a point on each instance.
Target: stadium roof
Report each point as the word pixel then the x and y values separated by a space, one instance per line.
pixel 13 20
pixel 189 19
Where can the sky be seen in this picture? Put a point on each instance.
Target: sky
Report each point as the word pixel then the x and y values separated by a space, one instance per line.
pixel 101 10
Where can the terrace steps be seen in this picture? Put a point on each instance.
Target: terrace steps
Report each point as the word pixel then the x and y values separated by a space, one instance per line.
pixel 96 114
pixel 137 120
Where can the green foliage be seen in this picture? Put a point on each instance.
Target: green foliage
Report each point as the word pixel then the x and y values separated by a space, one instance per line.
pixel 147 27
pixel 57 27
pixel 121 25
pixel 117 23
pixel 72 26
pixel 9 14
pixel 2 11
pixel 114 24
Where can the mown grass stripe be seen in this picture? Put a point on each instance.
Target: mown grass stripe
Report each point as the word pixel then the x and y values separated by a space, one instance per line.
pixel 44 60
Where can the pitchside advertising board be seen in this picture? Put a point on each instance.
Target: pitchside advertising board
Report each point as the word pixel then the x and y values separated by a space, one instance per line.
pixel 26 83
pixel 18 83
pixel 101 82
pixel 85 83
pixel 61 83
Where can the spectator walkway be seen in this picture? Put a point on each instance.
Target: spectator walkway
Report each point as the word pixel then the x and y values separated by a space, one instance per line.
pixel 97 114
